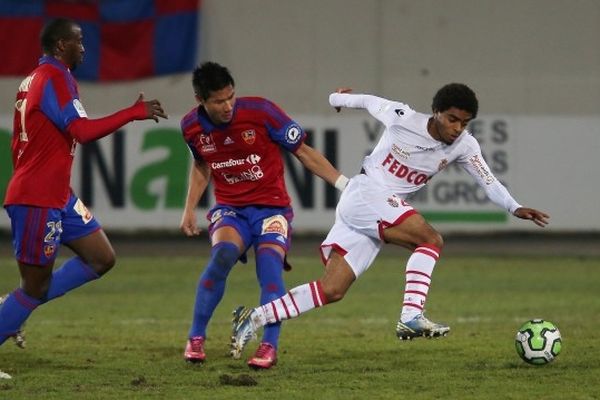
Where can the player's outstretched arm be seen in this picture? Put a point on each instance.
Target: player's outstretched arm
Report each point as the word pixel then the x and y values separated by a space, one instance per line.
pixel 320 166
pixel 538 217
pixel 342 90
pixel 87 130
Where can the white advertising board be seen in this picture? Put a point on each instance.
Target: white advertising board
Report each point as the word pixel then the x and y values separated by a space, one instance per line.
pixel 137 178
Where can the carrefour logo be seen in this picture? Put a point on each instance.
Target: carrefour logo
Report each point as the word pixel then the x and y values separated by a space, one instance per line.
pixel 251 159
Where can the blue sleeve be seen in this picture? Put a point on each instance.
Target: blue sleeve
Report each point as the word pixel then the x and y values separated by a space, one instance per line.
pixel 50 105
pixel 282 129
pixel 289 136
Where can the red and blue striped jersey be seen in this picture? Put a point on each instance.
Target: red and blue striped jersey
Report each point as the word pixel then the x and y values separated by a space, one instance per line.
pixel 244 155
pixel 42 150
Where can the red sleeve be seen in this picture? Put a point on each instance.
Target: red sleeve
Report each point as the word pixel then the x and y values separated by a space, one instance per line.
pixel 87 130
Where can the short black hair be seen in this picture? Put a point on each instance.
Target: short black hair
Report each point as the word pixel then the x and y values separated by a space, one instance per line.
pixel 210 77
pixel 456 95
pixel 55 30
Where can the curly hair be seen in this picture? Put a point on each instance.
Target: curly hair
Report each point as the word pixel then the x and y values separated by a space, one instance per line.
pixel 455 95
pixel 210 77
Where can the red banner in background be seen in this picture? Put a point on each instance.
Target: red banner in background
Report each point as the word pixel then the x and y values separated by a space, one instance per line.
pixel 123 39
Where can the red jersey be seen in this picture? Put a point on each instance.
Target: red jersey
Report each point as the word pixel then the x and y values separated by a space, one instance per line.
pixel 42 150
pixel 244 154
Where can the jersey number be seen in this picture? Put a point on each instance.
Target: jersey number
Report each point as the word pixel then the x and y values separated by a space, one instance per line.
pixel 55 232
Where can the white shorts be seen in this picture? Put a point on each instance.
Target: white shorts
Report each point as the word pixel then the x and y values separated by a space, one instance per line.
pixel 365 209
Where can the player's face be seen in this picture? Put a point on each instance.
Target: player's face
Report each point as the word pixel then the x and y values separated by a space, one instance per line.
pixel 72 48
pixel 447 126
pixel 219 105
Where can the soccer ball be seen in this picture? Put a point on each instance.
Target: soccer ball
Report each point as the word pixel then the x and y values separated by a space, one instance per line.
pixel 538 342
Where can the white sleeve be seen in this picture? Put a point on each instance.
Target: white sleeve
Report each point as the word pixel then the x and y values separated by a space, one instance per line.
pixel 378 107
pixel 476 166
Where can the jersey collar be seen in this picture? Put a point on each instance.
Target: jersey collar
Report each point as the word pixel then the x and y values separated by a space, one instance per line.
pixel 207 125
pixel 53 61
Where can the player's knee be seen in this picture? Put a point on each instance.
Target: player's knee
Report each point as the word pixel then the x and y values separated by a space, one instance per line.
pixel 105 262
pixel 223 257
pixel 36 289
pixel 333 293
pixel 435 239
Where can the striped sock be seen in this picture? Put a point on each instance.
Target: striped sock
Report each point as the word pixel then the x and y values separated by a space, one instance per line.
pixel 418 279
pixel 297 301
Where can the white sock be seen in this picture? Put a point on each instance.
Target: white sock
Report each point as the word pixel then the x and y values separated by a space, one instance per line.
pixel 418 279
pixel 297 301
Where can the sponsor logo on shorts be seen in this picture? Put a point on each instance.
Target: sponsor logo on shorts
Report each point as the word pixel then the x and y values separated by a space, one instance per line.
pixel 82 210
pixel 275 224
pixel 215 216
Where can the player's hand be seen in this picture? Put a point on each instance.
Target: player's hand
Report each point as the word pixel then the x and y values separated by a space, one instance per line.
pixel 342 90
pixel 188 224
pixel 538 217
pixel 153 108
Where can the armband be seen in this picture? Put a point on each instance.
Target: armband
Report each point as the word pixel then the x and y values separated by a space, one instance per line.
pixel 341 182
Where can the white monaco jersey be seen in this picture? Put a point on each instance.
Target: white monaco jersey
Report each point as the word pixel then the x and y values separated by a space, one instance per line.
pixel 407 157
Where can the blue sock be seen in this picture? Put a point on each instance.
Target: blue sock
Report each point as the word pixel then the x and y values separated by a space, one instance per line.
pixel 211 286
pixel 269 270
pixel 14 312
pixel 72 274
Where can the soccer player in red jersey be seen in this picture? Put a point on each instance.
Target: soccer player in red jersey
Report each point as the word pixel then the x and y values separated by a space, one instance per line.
pixel 49 121
pixel 236 142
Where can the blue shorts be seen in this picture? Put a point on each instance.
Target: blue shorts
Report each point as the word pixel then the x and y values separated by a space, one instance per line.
pixel 38 232
pixel 256 225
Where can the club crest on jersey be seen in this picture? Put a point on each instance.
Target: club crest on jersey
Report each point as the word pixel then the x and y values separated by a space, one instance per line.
pixel 293 134
pixel 275 224
pixel 249 136
pixel 49 250
pixel 443 164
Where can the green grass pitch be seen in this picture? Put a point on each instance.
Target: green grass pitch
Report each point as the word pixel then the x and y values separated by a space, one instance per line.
pixel 122 337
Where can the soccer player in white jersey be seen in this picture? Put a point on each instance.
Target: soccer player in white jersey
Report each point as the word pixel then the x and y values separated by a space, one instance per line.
pixel 373 209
